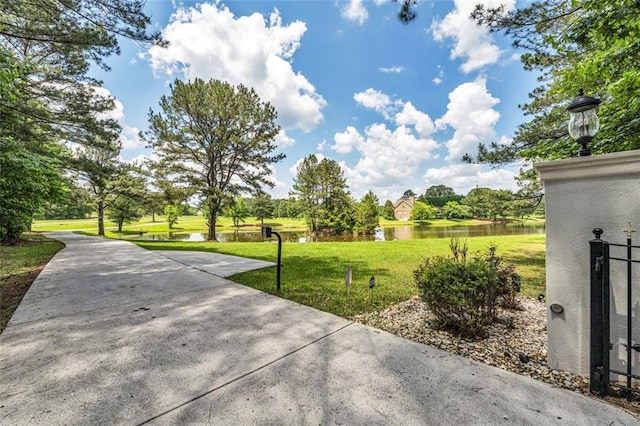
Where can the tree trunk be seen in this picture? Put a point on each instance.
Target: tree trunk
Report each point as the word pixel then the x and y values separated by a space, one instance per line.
pixel 101 219
pixel 120 225
pixel 153 216
pixel 213 217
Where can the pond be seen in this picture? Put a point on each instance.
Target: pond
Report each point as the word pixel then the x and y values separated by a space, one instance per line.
pixel 405 232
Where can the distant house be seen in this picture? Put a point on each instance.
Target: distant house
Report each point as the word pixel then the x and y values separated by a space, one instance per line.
pixel 402 208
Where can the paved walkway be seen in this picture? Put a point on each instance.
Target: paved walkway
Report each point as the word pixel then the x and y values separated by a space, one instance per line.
pixel 112 334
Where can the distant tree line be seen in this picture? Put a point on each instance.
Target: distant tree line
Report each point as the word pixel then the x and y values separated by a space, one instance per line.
pixel 319 195
pixel 440 201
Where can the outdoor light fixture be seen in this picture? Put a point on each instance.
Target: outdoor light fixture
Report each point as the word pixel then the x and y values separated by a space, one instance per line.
pixel 583 121
pixel 267 232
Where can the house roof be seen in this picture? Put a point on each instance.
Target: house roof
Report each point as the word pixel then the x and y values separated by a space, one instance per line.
pixel 408 201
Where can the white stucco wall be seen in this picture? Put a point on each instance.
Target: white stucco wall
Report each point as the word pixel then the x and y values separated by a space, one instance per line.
pixel 600 191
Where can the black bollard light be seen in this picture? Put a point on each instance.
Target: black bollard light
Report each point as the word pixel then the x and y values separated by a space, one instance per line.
pixel 267 231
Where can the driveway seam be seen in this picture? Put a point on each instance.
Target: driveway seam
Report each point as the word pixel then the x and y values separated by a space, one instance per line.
pixel 203 270
pixel 242 376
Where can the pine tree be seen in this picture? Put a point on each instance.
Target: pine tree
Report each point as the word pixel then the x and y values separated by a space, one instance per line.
pixel 216 139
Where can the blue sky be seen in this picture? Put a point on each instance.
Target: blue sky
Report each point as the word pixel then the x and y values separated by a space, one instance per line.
pixel 397 106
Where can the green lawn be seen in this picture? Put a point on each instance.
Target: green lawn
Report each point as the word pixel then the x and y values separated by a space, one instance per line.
pixel 147 225
pixel 19 266
pixel 313 273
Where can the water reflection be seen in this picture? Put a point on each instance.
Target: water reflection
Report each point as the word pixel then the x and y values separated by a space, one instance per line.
pixel 405 232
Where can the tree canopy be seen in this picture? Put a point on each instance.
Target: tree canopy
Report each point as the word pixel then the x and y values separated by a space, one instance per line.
pixel 321 188
pixel 216 139
pixel 367 214
pixel 47 98
pixel 590 44
pixel 593 44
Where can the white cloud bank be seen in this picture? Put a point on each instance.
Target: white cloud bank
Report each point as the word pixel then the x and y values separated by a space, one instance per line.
pixel 392 159
pixel 208 41
pixel 472 42
pixel 388 156
pixel 470 113
pixel 464 177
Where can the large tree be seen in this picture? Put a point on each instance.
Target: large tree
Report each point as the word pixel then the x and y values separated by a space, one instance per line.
pixel 238 212
pixel 129 206
pixel 262 206
pixel 110 181
pixel 30 166
pixel 57 42
pixel 321 189
pixel 367 213
pixel 46 96
pixel 215 138
pixel 489 203
pixel 439 195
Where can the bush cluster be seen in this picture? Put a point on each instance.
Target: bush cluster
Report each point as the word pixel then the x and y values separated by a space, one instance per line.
pixel 464 291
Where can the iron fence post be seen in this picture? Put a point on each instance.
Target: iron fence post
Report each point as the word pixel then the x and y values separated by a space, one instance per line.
pixel 599 340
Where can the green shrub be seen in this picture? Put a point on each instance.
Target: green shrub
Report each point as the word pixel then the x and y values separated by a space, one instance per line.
pixel 463 293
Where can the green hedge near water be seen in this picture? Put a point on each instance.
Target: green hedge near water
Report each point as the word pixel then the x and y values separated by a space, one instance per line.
pixel 313 273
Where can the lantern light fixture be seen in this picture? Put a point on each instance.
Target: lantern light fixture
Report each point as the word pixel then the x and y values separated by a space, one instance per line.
pixel 583 121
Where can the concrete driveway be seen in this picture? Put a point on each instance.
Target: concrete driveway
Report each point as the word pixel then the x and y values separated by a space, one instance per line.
pixel 110 333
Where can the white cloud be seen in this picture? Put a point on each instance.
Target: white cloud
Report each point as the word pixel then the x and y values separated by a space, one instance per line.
pixel 438 79
pixel 377 101
pixel 464 177
pixel 322 145
pixel 354 10
pixel 347 141
pixel 470 113
pixel 471 41
pixel 129 135
pixel 372 98
pixel 130 138
pixel 208 41
pixel 411 116
pixel 394 70
pixel 138 160
pixel 283 140
pixel 388 157
pixel 280 189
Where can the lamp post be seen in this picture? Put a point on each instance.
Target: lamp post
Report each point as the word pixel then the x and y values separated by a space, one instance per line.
pixel 267 231
pixel 583 121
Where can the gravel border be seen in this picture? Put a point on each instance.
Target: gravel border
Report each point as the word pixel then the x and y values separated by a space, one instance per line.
pixel 517 342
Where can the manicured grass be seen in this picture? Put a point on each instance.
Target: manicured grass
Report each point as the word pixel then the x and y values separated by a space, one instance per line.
pixel 313 273
pixel 147 225
pixel 19 266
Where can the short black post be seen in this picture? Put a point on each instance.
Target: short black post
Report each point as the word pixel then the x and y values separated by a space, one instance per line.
pixel 267 231
pixel 599 340
pixel 279 260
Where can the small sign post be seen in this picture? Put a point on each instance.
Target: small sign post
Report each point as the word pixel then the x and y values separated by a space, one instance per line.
pixel 372 284
pixel 347 280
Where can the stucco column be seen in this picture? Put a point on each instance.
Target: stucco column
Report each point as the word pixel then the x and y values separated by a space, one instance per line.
pixel 601 191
